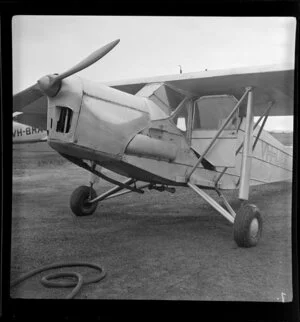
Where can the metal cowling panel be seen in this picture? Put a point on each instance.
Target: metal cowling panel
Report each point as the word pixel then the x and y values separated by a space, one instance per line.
pixel 149 147
pixel 108 127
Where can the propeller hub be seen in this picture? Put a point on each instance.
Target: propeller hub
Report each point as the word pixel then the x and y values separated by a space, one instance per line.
pixel 49 85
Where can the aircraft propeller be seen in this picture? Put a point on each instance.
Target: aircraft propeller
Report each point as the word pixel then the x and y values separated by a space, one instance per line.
pixel 50 84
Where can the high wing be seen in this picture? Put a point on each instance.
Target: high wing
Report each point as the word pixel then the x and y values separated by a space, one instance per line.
pixel 271 83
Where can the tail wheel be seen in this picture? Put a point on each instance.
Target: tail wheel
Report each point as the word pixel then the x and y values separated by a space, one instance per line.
pixel 79 201
pixel 247 226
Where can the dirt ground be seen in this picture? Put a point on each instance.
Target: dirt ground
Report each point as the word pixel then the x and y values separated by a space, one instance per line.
pixel 153 246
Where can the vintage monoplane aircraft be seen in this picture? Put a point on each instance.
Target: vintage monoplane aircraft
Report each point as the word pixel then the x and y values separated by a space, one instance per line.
pixel 23 133
pixel 195 130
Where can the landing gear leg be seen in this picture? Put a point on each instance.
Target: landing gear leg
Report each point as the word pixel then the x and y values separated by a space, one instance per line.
pixel 247 222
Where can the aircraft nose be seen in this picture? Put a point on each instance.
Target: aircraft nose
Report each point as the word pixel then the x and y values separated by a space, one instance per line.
pixel 49 86
pixel 63 110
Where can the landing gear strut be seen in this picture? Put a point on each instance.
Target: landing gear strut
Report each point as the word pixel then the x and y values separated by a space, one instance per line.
pixel 247 222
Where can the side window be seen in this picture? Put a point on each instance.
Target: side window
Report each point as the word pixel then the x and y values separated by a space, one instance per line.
pixel 210 113
pixel 181 120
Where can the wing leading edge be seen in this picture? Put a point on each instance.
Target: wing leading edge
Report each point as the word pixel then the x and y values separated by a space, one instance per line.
pixel 271 83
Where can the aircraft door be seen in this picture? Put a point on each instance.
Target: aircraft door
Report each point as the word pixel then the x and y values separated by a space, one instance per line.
pixel 209 113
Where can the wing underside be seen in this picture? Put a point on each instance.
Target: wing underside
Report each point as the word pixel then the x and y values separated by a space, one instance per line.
pixel 270 85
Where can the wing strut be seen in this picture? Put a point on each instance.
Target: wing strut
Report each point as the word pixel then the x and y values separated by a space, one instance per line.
pixel 247 150
pixel 265 116
pixel 212 142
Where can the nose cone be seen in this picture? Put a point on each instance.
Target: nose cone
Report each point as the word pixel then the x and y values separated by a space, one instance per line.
pixel 49 86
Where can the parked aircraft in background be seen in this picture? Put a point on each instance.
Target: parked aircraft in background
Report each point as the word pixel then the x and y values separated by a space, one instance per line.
pixel 194 130
pixel 23 133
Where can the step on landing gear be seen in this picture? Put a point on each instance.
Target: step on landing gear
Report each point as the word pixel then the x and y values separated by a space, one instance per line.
pixel 247 227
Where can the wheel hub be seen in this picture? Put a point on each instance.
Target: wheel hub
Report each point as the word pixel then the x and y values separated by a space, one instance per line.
pixel 254 228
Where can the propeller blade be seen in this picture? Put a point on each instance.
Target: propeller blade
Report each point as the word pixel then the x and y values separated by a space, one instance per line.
pixel 25 97
pixel 91 59
pixel 50 84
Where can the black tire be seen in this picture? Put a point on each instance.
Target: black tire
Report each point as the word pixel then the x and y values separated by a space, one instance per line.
pixel 78 202
pixel 247 227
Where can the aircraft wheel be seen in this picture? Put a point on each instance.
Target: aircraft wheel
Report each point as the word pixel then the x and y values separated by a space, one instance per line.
pixel 247 227
pixel 78 201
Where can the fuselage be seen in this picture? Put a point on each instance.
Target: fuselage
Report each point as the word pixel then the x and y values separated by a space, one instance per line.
pixel 139 137
pixel 23 133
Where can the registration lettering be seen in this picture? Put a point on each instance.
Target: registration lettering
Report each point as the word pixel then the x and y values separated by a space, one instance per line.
pixel 273 155
pixel 27 131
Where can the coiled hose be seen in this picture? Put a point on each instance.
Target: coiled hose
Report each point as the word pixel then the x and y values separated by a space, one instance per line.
pixel 46 280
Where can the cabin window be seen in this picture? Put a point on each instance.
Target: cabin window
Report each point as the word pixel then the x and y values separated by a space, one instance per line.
pixel 210 113
pixel 181 120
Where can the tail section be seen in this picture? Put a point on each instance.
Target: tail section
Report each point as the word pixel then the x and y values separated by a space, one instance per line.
pixel 272 161
pixel 26 134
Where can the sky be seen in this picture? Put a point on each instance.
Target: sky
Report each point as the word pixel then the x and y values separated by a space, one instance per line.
pixel 149 46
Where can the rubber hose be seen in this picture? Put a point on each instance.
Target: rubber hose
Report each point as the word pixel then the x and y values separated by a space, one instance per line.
pixel 80 281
